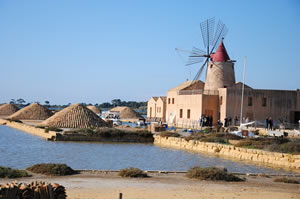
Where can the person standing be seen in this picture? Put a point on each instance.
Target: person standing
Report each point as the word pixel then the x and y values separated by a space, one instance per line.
pixel 236 121
pixel 247 120
pixel 225 122
pixel 266 123
pixel 271 123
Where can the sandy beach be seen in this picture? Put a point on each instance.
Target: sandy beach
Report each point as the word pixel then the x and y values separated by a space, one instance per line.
pixel 165 186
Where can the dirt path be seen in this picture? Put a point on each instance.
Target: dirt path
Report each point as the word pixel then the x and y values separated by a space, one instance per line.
pixel 101 185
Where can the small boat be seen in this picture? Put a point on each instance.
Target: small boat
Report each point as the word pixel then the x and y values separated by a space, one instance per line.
pixel 116 122
pixel 244 133
pixel 141 122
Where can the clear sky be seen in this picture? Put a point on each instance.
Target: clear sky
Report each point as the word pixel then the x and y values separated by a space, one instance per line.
pixel 96 51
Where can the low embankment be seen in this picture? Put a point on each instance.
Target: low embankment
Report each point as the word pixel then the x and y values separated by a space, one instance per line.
pixel 269 158
pixel 84 135
pixel 49 135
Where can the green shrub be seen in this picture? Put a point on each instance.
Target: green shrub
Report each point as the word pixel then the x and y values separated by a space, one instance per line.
pixel 286 180
pixel 207 130
pixel 132 172
pixel 211 173
pixel 51 169
pixel 215 140
pixel 169 134
pixel 6 172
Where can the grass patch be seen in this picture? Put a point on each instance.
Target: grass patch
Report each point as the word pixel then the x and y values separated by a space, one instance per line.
pixel 6 172
pixel 169 134
pixel 52 169
pixel 286 180
pixel 211 173
pixel 222 138
pixel 110 132
pixel 132 173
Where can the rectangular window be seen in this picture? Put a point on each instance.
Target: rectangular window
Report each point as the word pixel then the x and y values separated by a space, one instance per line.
pixel 173 100
pixel 264 102
pixel 188 113
pixel 249 101
pixel 180 113
pixel 169 100
pixel 221 100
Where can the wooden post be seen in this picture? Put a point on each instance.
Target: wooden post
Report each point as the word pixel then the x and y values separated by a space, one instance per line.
pixel 120 195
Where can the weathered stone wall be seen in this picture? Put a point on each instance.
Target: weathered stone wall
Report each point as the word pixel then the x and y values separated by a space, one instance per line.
pixel 29 129
pixel 269 158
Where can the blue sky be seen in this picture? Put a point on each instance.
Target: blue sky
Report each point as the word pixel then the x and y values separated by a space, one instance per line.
pixel 96 51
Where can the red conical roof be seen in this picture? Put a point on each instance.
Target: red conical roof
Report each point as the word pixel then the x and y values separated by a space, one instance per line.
pixel 220 55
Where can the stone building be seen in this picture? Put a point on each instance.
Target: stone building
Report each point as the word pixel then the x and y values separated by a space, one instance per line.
pixel 220 97
pixel 156 109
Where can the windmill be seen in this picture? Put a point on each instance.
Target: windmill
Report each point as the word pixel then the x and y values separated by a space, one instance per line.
pixel 212 36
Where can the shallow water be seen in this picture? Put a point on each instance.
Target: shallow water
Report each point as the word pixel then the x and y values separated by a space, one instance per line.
pixel 21 150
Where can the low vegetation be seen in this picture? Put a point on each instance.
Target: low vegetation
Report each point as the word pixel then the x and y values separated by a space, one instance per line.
pixel 51 169
pixel 110 132
pixel 50 128
pixel 14 120
pixel 169 134
pixel 6 172
pixel 132 173
pixel 282 145
pixel 212 173
pixel 222 138
pixel 286 180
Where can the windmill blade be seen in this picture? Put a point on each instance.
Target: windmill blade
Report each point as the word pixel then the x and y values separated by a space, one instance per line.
pixel 196 56
pixel 193 61
pixel 220 33
pixel 207 30
pixel 201 70
pixel 198 51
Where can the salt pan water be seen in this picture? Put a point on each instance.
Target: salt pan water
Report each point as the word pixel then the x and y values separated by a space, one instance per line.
pixel 21 150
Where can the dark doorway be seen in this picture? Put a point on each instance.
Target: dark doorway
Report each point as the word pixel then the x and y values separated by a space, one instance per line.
pixel 295 117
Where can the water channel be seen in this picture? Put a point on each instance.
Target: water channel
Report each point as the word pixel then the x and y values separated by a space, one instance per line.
pixel 21 150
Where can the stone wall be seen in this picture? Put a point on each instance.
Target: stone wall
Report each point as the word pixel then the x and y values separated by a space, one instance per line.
pixel 29 129
pixel 269 158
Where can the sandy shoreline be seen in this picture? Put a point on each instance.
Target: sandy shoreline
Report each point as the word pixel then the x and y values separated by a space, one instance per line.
pixel 108 185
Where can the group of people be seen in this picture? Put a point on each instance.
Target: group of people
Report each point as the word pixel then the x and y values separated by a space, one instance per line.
pixel 206 121
pixel 269 123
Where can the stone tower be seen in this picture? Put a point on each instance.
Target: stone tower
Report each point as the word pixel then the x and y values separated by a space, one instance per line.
pixel 220 70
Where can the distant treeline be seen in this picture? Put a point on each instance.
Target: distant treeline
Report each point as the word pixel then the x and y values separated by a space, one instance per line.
pixel 142 105
pixel 119 102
